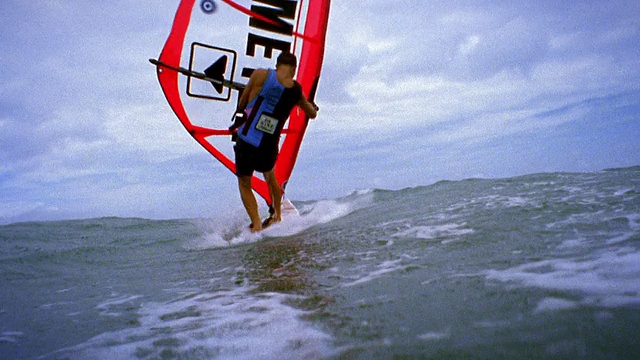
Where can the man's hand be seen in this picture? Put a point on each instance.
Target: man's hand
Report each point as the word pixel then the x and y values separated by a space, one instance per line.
pixel 238 120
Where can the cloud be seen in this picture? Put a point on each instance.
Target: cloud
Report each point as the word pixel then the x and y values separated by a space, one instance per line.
pixel 456 90
pixel 473 63
pixel 411 91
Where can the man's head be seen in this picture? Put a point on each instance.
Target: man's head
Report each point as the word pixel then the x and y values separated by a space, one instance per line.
pixel 287 58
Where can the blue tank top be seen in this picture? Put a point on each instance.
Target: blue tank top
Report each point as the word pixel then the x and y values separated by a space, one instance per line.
pixel 267 113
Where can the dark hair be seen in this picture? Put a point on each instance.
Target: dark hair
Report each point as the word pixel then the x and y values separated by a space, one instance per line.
pixel 287 58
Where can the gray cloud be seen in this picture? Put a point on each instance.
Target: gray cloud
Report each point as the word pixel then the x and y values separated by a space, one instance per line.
pixel 412 91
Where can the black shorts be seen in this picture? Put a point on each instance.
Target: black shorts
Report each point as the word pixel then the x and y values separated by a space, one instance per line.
pixel 250 158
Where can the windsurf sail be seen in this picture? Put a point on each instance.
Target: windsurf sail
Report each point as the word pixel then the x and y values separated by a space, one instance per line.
pixel 211 51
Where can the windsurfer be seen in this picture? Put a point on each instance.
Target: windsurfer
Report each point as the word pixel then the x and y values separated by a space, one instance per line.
pixel 264 106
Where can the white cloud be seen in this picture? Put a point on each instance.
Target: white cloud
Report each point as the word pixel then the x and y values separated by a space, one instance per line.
pixel 486 64
pixel 80 106
pixel 469 45
pixel 149 130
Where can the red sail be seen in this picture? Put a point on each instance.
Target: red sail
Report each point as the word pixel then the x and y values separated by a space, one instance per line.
pixel 198 37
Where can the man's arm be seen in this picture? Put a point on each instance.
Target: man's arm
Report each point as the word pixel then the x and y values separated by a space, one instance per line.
pixel 309 108
pixel 252 89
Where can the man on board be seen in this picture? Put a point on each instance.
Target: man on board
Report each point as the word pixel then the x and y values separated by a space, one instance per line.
pixel 263 108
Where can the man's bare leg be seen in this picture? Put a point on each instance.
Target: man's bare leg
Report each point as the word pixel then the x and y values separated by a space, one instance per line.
pixel 249 202
pixel 276 194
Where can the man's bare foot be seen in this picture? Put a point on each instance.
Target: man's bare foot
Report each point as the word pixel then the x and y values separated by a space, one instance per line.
pixel 270 221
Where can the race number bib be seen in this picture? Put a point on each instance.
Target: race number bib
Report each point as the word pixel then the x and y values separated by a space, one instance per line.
pixel 267 124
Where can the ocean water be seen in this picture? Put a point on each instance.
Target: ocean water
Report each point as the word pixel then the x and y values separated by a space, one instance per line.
pixel 544 266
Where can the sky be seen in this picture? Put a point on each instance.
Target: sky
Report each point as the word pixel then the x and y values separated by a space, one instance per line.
pixel 412 92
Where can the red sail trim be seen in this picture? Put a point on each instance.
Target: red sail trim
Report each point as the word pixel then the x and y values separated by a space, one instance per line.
pixel 208 132
pixel 253 14
pixel 309 68
pixel 168 79
pixel 295 40
pixel 308 74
